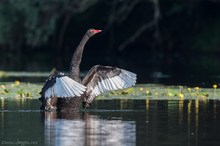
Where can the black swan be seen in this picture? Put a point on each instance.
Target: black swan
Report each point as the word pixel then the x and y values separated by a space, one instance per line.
pixel 66 92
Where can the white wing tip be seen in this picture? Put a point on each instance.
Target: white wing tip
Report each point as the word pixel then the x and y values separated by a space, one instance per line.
pixel 129 77
pixel 125 79
pixel 65 87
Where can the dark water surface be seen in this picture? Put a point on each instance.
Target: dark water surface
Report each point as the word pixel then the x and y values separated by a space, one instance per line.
pixel 112 122
pixel 181 69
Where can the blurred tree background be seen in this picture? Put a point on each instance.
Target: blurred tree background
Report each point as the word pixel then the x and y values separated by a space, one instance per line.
pixel 38 35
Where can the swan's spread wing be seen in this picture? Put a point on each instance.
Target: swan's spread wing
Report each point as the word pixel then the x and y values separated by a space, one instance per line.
pixel 105 78
pixel 65 87
pixel 59 85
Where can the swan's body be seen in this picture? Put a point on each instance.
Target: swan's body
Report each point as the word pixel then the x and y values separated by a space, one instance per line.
pixel 61 92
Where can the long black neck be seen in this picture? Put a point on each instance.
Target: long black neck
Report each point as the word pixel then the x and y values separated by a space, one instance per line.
pixel 76 59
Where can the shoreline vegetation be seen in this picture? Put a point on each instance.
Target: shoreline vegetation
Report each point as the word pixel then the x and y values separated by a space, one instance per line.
pixel 18 90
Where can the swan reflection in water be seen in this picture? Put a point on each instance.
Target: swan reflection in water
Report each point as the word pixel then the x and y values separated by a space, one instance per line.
pixel 82 128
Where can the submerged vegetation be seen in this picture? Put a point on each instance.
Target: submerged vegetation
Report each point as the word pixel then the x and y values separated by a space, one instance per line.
pixel 17 89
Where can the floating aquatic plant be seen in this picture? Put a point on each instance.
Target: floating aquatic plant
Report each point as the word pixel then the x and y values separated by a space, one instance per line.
pixel 17 89
pixel 214 86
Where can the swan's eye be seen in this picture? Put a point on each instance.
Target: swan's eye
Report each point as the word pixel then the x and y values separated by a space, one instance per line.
pixel 92 31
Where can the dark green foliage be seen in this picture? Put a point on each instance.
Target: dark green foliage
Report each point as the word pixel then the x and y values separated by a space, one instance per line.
pixel 146 25
pixel 32 23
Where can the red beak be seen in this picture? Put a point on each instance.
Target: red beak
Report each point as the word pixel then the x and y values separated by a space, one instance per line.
pixel 97 30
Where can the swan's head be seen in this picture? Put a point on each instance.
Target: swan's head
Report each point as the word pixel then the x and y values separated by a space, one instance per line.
pixel 91 32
